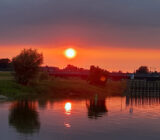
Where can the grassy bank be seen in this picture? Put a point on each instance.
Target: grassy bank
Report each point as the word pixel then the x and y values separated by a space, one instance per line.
pixel 10 88
pixel 57 87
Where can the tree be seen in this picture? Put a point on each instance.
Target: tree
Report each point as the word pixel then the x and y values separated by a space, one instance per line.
pixel 71 68
pixel 26 65
pixel 142 70
pixel 97 76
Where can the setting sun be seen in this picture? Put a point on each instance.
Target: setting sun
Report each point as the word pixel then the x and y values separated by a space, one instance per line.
pixel 70 53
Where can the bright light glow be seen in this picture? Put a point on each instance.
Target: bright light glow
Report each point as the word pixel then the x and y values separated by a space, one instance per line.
pixel 68 107
pixel 70 53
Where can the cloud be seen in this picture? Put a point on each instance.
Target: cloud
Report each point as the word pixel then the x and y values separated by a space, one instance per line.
pixel 111 23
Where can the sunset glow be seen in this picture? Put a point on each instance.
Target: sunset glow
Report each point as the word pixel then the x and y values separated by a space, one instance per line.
pixel 111 59
pixel 70 53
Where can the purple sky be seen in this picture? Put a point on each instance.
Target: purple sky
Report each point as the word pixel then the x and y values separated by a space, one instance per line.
pixel 88 23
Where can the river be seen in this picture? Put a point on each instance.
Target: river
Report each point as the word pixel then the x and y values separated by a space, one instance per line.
pixel 112 118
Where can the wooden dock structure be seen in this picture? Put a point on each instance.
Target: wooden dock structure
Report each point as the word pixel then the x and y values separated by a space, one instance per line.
pixel 143 88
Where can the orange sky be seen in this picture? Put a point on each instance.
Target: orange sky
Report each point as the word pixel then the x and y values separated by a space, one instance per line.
pixel 112 59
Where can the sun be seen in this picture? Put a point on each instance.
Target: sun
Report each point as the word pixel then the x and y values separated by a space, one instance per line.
pixel 70 53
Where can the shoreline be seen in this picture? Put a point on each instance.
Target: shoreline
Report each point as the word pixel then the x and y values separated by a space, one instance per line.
pixel 57 87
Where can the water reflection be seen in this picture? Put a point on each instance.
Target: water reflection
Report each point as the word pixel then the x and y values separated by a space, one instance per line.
pixel 45 104
pixel 125 114
pixel 42 104
pixel 68 108
pixel 67 125
pixel 142 101
pixel 24 117
pixel 96 107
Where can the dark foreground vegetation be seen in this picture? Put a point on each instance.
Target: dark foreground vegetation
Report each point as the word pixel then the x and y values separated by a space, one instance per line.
pixel 57 87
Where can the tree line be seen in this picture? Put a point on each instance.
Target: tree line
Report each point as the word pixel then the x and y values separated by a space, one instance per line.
pixel 26 67
pixel 5 64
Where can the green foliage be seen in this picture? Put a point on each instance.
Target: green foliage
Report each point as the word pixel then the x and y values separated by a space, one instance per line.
pixel 10 88
pixel 26 65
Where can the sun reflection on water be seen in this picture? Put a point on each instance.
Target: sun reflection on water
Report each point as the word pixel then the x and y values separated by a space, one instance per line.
pixel 67 125
pixel 68 108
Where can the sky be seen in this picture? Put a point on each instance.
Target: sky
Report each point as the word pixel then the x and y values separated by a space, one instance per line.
pixel 114 34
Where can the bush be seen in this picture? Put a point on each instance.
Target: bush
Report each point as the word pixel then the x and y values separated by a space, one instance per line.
pixel 26 65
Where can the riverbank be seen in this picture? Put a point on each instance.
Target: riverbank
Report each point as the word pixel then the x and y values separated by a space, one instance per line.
pixel 57 87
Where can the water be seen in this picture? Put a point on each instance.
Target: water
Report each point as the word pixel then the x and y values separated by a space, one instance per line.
pixel 112 118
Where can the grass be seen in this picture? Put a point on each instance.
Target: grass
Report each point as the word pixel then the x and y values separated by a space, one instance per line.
pixel 57 87
pixel 10 88
pixel 6 75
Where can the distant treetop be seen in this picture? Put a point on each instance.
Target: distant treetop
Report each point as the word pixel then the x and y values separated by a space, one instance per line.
pixel 142 70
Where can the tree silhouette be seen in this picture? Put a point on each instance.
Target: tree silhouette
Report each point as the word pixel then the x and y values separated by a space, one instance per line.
pixel 26 65
pixel 142 70
pixel 97 76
